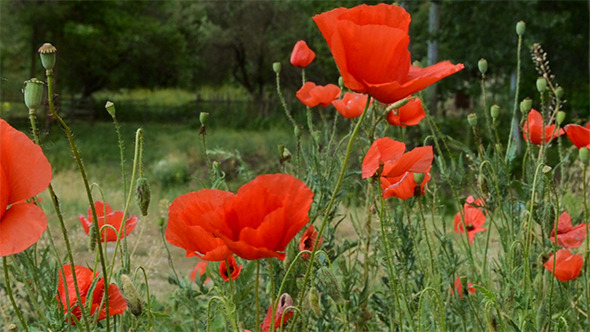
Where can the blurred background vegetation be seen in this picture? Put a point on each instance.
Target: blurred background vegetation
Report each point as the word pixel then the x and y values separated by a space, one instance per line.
pixel 169 60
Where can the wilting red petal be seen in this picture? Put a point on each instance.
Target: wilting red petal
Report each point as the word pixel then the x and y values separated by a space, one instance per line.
pixel 533 129
pixel 417 161
pixel 21 226
pixel 281 316
pixel 109 217
pixel 567 266
pixel 383 149
pixel 351 105
pixel 189 217
pixel 308 241
pixel 568 236
pixel 408 115
pixel 578 135
pixel 233 271
pixel 313 95
pixel 302 55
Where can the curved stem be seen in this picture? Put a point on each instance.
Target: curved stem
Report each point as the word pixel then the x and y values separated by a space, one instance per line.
pixel 9 292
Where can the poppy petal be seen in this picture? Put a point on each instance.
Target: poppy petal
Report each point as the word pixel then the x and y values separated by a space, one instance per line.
pixel 383 149
pixel 578 135
pixel 20 227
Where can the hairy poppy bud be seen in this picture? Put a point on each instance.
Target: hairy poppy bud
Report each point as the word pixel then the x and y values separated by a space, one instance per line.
pixel 495 111
pixel 560 117
pixel 314 301
pixel 472 119
pixel 419 178
pixel 276 67
pixel 526 105
pixel 399 104
pixel 330 283
pixel 142 195
pixel 583 155
pixel 482 64
pixel 47 53
pixel 520 28
pixel 541 84
pixel 92 237
pixel 131 295
pixel 33 92
pixel 110 107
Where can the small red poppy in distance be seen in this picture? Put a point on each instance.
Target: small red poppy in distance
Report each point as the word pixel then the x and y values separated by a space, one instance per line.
pixel 351 105
pixel 459 288
pixel 567 266
pixel 200 268
pixel 24 173
pixel 312 95
pixel 473 217
pixel 308 240
pixel 302 55
pixel 580 136
pixel 66 293
pixel 568 236
pixel 281 314
pixel 107 216
pixel 232 271
pixel 354 34
pixel 408 115
pixel 533 129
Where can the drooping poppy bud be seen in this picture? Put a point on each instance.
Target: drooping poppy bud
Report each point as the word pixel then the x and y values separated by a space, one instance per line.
pixel 142 195
pixel 131 295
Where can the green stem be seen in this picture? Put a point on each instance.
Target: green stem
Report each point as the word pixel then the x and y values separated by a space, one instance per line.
pixel 515 106
pixel 528 238
pixel 121 153
pixel 485 108
pixel 9 292
pixel 256 285
pixel 423 221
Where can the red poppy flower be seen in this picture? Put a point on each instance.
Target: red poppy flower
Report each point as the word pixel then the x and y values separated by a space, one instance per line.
pixel 397 178
pixel 568 236
pixel 403 186
pixel 567 266
pixel 200 268
pixel 382 150
pixel 308 240
pixel 351 105
pixel 24 173
pixel 408 115
pixel 188 216
pixel 281 315
pixel 473 216
pixel 580 136
pixel 354 34
pixel 312 95
pixel 233 271
pixel 459 288
pixel 533 129
pixel 106 215
pixel 85 278
pixel 302 55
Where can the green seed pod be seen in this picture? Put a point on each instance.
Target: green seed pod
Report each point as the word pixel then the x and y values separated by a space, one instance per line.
pixel 541 84
pixel 330 283
pixel 520 28
pixel 276 67
pixel 204 118
pixel 559 92
pixel 526 105
pixel 419 178
pixel 315 304
pixel 161 222
pixel 110 107
pixel 495 111
pixel 33 92
pixel 583 155
pixel 340 82
pixel 92 237
pixel 142 195
pixel 472 119
pixel 560 117
pixel 131 295
pixel 47 53
pixel 482 64
pixel 399 104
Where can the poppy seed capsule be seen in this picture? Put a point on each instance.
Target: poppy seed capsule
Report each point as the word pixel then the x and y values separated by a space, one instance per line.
pixel 482 64
pixel 142 195
pixel 110 107
pixel 560 117
pixel 314 301
pixel 472 119
pixel 204 118
pixel 419 178
pixel 131 295
pixel 541 84
pixel 520 28
pixel 559 92
pixel 495 111
pixel 276 67
pixel 583 155
pixel 47 53
pixel 33 92
pixel 526 105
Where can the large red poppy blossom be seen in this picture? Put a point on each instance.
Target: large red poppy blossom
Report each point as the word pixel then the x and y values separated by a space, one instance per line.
pixel 567 266
pixel 308 241
pixel 473 218
pixel 403 186
pixel 282 314
pixel 232 271
pixel 370 47
pixel 24 173
pixel 351 105
pixel 533 128
pixel 200 268
pixel 408 115
pixel 302 55
pixel 580 136
pixel 106 216
pixel 312 95
pixel 188 218
pixel 568 236
pixel 458 287
pixel 382 150
pixel 85 277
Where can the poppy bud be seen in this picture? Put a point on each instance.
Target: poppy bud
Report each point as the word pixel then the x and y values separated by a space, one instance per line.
pixel 276 67
pixel 419 178
pixel 520 28
pixel 330 283
pixel 33 92
pixel 541 84
pixel 110 107
pixel 560 117
pixel 204 118
pixel 284 154
pixel 131 295
pixel 417 63
pixel 526 105
pixel 92 237
pixel 546 170
pixel 302 55
pixel 142 195
pixel 559 92
pixel 583 155
pixel 472 119
pixel 399 104
pixel 314 301
pixel 161 222
pixel 47 53
pixel 495 111
pixel 341 82
pixel 482 64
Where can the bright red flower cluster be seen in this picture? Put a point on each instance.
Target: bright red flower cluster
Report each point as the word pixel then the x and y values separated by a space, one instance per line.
pixel 567 265
pixel 256 222
pixel 535 132
pixel 312 95
pixel 106 216
pixel 473 218
pixel 66 293
pixel 24 173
